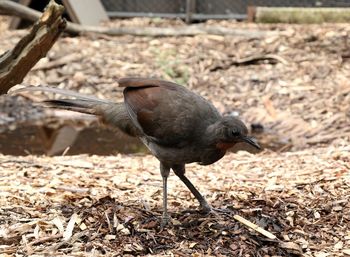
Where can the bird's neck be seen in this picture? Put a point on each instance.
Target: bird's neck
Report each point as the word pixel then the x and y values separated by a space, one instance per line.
pixel 214 137
pixel 213 133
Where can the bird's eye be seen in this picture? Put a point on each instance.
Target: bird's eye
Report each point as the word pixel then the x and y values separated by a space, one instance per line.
pixel 235 133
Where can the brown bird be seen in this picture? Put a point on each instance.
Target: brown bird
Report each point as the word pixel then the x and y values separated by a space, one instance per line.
pixel 177 125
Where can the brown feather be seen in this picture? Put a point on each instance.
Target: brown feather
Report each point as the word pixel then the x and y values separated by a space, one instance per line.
pixel 224 146
pixel 161 109
pixel 144 82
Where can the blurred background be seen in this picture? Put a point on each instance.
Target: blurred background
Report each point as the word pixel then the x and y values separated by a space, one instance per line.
pixel 199 10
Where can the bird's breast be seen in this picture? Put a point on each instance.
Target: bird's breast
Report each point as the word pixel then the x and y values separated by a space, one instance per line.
pixel 223 146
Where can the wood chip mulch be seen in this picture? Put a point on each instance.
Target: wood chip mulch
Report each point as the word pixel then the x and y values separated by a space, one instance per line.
pixel 78 205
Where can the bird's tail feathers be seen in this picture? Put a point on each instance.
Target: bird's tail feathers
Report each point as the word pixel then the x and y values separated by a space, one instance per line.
pixel 83 106
pixel 82 103
pixel 112 113
pixel 65 92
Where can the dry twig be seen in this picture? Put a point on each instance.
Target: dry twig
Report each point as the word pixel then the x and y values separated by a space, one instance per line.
pixel 254 227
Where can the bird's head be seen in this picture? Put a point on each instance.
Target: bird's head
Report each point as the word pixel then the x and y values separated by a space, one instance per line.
pixel 229 131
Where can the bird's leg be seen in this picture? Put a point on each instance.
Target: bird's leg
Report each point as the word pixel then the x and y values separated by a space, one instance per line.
pixel 164 171
pixel 179 170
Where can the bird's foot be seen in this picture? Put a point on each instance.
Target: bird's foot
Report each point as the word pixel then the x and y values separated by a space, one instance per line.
pixel 165 221
pixel 205 208
pixel 218 210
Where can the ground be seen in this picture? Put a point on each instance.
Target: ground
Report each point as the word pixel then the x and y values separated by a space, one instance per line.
pixel 115 201
pixel 293 80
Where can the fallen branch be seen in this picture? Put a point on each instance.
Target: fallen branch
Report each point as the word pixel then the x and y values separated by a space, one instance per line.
pixel 58 62
pixel 192 30
pixel 300 15
pixel 15 64
pixel 252 60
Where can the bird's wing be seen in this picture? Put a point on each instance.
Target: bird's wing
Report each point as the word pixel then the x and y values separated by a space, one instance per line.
pixel 168 113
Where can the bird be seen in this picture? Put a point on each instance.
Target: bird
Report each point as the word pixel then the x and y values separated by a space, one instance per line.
pixel 177 125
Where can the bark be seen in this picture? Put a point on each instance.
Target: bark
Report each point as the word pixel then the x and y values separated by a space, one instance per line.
pixel 16 63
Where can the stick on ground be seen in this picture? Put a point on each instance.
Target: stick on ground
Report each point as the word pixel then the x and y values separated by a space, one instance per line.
pixel 254 227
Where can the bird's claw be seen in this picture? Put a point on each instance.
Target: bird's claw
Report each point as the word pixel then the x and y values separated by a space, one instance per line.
pixel 205 209
pixel 211 210
pixel 164 222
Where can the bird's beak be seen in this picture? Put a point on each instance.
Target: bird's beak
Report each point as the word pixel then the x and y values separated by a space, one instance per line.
pixel 252 141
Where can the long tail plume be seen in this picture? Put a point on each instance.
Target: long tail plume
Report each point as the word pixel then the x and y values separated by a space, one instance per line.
pixel 65 92
pixel 112 113
pixel 82 103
